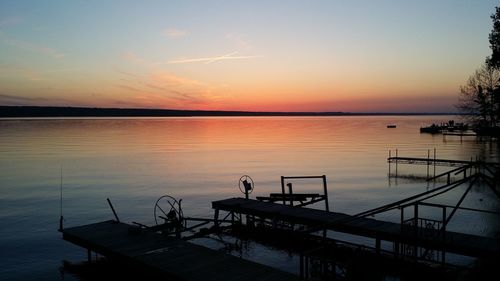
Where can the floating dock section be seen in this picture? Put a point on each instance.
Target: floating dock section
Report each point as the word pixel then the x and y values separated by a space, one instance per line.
pixel 168 257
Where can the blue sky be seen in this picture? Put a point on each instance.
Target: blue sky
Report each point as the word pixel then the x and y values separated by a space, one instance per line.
pixel 242 55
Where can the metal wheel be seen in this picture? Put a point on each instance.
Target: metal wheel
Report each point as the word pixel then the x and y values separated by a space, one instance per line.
pixel 168 210
pixel 246 184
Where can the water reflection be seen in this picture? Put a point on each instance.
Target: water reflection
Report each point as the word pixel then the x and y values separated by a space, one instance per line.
pixel 135 161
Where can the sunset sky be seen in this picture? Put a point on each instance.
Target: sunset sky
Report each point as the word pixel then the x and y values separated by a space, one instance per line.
pixel 356 56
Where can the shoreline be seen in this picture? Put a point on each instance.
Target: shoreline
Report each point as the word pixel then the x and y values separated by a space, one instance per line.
pixel 53 111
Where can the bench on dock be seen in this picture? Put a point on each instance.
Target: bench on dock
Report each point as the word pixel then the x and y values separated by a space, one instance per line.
pixel 300 197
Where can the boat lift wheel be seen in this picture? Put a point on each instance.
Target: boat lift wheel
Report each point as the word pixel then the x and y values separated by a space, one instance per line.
pixel 168 210
pixel 246 185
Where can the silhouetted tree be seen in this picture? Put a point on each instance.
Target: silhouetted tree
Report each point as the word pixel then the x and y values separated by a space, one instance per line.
pixel 494 38
pixel 480 97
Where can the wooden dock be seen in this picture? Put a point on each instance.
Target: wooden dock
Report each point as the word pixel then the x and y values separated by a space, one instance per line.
pixel 460 134
pixel 168 257
pixel 452 242
pixel 428 161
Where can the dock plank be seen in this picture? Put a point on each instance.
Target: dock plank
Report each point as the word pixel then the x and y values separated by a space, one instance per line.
pixel 459 243
pixel 168 256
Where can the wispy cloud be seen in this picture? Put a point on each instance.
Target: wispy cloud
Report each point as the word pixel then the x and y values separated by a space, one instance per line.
pixel 130 88
pixel 9 21
pixel 163 87
pixel 167 78
pixel 175 33
pixel 15 100
pixel 239 41
pixel 61 70
pixel 230 56
pixel 31 47
pixel 30 73
pixel 132 57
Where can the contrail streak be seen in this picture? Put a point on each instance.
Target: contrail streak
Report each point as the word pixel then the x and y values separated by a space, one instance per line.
pixel 230 56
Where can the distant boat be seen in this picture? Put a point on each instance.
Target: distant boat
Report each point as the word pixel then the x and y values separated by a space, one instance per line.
pixel 432 129
pixel 391 125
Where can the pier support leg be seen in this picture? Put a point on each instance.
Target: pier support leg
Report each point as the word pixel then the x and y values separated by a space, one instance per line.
pixel 434 164
pixel 89 255
pixel 301 270
pixel 389 162
pixel 216 218
pixel 428 163
pixel 396 164
pixel 377 246
pixel 396 249
pixel 306 268
pixel 283 189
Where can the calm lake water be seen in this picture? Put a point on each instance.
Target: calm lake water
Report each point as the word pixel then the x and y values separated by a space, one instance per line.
pixel 133 161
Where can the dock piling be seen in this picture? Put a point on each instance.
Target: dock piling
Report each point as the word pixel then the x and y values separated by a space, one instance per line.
pixel 434 162
pixel 396 163
pixel 428 163
pixel 216 218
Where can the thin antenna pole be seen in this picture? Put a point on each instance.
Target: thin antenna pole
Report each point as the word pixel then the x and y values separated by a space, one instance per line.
pixel 61 202
pixel 61 191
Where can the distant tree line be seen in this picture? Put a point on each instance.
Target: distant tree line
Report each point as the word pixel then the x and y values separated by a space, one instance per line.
pixel 480 96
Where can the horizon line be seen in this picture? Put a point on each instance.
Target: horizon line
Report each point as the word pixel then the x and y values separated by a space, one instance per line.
pixel 78 111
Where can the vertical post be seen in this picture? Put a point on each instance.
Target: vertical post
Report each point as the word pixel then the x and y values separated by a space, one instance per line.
pixel 415 210
pixel 428 162
pixel 113 209
pixel 325 191
pixel 216 218
pixel 283 189
pixel 290 191
pixel 402 215
pixel 415 214
pixel 377 246
pixel 443 253
pixel 396 249
pixel 434 163
pixel 301 270
pixel 89 255
pixel 389 161
pixel 476 165
pixel 61 219
pixel 396 163
pixel 306 261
